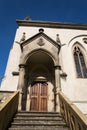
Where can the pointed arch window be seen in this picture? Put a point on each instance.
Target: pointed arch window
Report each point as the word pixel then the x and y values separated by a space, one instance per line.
pixel 80 62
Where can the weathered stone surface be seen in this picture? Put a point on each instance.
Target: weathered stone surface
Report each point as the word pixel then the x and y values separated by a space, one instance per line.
pixel 38 121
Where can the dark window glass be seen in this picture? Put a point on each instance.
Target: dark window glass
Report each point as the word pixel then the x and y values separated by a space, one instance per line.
pixel 84 70
pixel 78 69
pixel 80 63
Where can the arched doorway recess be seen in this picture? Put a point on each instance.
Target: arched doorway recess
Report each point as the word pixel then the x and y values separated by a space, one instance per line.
pixel 39 90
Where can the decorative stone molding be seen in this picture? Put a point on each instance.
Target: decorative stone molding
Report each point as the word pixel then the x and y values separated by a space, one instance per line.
pixel 63 75
pixel 22 66
pixel 85 40
pixel 51 24
pixel 27 18
pixel 23 37
pixel 57 67
pixel 41 30
pixel 41 42
pixel 58 39
pixel 14 73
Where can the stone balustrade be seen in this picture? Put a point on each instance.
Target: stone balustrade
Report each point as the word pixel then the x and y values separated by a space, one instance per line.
pixel 7 109
pixel 72 115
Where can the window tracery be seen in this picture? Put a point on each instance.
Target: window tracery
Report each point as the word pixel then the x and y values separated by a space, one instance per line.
pixel 80 62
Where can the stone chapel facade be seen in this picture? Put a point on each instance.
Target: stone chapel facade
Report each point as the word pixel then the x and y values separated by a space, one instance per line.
pixel 47 57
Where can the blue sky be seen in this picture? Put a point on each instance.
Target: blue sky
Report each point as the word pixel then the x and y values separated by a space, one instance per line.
pixel 71 11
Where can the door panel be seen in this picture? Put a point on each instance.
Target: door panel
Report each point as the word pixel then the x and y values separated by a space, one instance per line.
pixel 43 97
pixel 34 97
pixel 38 97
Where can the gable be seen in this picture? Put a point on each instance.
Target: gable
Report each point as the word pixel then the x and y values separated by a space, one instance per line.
pixel 40 39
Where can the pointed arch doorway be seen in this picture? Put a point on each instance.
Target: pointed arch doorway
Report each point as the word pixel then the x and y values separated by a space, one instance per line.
pixel 40 82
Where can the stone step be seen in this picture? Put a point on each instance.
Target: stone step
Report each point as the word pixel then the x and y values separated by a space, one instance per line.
pixel 38 121
pixel 35 114
pixel 40 128
pixel 17 119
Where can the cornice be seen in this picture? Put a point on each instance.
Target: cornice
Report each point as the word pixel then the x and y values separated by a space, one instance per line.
pixel 51 24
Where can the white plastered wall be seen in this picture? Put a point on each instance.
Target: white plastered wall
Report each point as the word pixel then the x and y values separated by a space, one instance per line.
pixel 74 88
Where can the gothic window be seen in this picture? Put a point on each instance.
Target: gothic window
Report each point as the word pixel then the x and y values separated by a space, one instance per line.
pixel 80 62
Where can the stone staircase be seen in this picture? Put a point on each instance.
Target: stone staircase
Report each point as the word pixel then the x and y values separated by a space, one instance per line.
pixel 38 121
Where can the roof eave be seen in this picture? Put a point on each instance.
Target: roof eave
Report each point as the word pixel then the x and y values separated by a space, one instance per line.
pixel 51 24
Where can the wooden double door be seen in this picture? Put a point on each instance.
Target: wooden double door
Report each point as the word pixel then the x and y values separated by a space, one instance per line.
pixel 38 96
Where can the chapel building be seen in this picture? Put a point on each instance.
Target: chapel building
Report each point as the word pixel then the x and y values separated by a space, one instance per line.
pixel 48 57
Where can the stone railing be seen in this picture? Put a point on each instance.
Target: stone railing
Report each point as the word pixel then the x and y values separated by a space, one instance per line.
pixel 8 109
pixel 4 95
pixel 72 115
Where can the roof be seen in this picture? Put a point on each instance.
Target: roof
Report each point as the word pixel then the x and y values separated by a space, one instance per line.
pixel 51 24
